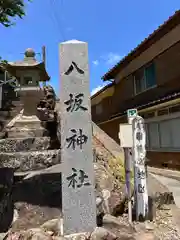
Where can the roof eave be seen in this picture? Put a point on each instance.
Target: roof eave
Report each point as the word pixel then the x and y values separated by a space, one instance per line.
pixel 44 75
pixel 160 31
pixel 102 90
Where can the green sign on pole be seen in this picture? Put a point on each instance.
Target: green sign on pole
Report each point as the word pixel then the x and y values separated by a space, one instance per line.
pixel 132 113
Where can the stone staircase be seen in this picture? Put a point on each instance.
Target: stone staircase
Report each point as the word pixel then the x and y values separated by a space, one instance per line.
pixel 23 150
pixel 28 154
pixel 25 155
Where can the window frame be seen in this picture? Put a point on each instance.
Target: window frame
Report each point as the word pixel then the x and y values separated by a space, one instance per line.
pixel 144 78
pixel 159 120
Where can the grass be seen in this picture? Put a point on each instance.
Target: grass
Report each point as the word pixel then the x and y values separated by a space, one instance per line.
pixel 117 168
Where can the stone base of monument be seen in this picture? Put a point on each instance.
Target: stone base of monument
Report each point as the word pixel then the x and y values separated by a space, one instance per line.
pixel 28 121
pixel 26 132
pixel 25 126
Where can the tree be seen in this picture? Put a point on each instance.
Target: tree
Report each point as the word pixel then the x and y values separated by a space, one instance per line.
pixel 10 9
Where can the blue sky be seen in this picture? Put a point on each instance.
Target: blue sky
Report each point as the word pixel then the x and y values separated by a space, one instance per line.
pixel 111 28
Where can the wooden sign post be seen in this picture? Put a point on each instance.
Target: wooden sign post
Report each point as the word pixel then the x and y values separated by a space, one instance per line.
pixel 140 178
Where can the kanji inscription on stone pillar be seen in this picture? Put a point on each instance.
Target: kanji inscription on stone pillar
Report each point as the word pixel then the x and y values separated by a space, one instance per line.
pixel 78 190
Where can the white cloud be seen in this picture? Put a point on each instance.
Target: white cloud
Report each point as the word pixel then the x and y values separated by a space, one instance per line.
pixel 112 58
pixel 97 89
pixel 109 59
pixel 95 62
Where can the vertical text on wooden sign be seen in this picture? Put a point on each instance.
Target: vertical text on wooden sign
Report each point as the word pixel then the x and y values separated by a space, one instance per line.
pixel 139 155
pixel 78 194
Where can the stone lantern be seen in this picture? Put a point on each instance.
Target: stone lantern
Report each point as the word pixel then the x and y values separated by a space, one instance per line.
pixel 29 74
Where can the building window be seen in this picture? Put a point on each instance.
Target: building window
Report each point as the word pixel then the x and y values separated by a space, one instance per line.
pixel 163 135
pixel 149 115
pixel 164 111
pixel 144 78
pixel 153 135
pixel 139 81
pixel 175 132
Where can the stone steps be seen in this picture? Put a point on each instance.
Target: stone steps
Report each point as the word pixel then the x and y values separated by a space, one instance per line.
pixel 30 161
pixel 17 132
pixel 9 145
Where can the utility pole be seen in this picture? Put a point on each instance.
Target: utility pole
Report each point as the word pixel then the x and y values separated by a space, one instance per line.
pixel 44 59
pixel 44 55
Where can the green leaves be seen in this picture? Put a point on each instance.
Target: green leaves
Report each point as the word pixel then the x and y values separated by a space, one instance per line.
pixel 10 9
pixel 3 63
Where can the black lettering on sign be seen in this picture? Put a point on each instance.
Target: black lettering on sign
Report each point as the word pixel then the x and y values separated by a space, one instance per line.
pixel 138 125
pixel 76 140
pixel 71 68
pixel 77 179
pixel 141 174
pixel 141 161
pixel 75 103
pixel 139 148
pixel 141 189
pixel 139 136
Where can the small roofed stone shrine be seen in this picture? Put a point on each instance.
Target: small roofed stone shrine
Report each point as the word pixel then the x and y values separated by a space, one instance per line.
pixel 29 73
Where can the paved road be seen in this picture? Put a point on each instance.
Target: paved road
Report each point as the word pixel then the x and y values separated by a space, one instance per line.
pixel 165 172
pixel 173 186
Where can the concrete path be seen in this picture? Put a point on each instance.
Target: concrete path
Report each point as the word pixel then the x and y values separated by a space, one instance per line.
pixel 165 172
pixel 173 186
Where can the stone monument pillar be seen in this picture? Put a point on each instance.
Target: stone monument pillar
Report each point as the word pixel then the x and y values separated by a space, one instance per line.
pixel 78 190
